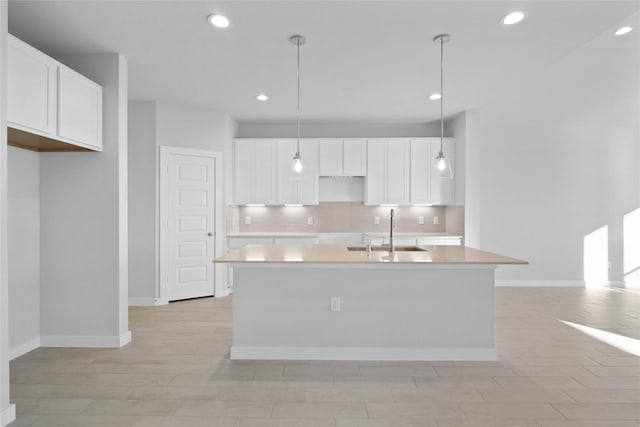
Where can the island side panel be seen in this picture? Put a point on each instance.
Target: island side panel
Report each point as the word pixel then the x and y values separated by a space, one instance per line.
pixel 394 313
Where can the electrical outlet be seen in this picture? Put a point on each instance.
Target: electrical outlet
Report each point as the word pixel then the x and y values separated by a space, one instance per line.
pixel 436 220
pixel 247 220
pixel 376 220
pixel 335 303
pixel 309 220
pixel 421 220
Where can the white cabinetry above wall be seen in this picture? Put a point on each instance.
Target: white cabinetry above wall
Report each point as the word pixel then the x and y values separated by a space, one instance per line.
pixel 427 187
pixel 262 172
pixel 398 170
pixel 387 172
pixel 49 106
pixel 255 171
pixel 342 157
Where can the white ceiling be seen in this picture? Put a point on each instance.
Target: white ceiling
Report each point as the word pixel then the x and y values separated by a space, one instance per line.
pixel 363 61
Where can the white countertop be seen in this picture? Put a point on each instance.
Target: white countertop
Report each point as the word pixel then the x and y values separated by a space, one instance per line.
pixel 414 234
pixel 339 254
pixel 272 234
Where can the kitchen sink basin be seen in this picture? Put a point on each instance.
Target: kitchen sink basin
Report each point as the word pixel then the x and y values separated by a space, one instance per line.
pixel 386 248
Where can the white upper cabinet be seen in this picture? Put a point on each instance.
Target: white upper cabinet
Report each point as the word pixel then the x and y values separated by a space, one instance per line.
pixel 354 155
pixel 262 172
pixel 31 89
pixel 46 98
pixel 79 109
pixel 342 157
pixel 427 187
pixel 442 189
pixel 421 171
pixel 387 172
pixel 254 171
pixel 297 191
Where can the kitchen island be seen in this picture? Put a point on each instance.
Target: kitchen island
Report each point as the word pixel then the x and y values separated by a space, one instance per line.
pixel 326 302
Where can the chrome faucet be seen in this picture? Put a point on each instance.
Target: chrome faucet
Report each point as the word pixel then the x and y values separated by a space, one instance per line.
pixel 392 247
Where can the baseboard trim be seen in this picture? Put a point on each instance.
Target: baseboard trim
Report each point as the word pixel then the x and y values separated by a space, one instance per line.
pixel 362 353
pixel 144 302
pixel 541 283
pixel 8 415
pixel 85 340
pixel 24 348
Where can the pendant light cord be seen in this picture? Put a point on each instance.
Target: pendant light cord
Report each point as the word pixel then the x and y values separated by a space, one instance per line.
pixel 298 111
pixel 441 93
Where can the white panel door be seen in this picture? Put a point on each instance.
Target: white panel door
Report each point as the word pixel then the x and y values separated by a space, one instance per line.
pixel 191 225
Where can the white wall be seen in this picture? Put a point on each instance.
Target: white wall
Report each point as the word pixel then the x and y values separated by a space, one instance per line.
pixel 143 172
pixel 190 127
pixel 337 130
pixel 83 222
pixel 23 249
pixel 559 157
pixel 155 124
pixel 7 411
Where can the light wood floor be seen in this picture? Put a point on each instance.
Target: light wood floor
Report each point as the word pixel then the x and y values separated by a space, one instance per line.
pixel 177 372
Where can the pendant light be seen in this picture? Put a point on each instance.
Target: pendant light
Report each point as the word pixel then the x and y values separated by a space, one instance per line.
pixel 297 169
pixel 443 164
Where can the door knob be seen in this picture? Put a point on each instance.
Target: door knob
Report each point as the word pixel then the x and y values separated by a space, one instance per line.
pixel 209 234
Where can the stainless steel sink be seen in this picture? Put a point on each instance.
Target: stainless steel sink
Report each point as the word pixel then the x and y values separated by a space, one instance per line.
pixel 386 248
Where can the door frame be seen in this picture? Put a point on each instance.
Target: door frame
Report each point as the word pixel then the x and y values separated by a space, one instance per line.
pixel 219 272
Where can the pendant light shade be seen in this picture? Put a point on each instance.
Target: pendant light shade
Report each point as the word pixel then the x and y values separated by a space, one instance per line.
pixel 297 167
pixel 443 165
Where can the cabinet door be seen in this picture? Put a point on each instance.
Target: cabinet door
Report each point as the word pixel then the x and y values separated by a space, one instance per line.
pixel 398 171
pixel 264 172
pixel 420 165
pixel 376 172
pixel 307 191
pixel 354 160
pixel 330 157
pixel 244 171
pixel 442 188
pixel 79 109
pixel 31 89
pixel 286 149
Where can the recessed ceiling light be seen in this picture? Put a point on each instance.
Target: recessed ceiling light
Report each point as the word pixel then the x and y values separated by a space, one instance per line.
pixel 217 20
pixel 623 30
pixel 435 96
pixel 513 18
pixel 262 97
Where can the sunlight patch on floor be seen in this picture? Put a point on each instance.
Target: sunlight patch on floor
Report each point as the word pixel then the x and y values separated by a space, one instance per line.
pixel 626 344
